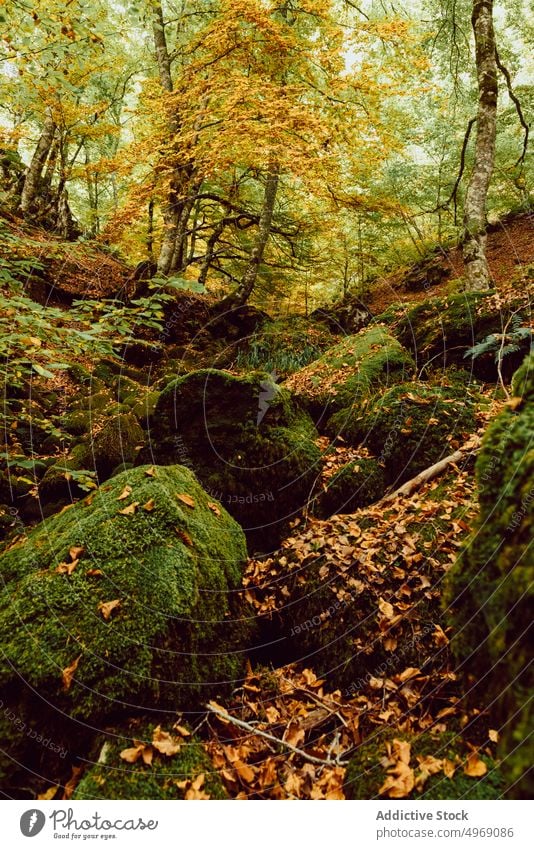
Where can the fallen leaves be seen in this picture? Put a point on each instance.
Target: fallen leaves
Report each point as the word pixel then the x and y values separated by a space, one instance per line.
pixel 162 742
pixel 214 508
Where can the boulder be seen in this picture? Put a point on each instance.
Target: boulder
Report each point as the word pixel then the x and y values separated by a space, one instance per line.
pixel 410 426
pixel 349 315
pixel 251 446
pixel 120 602
pixel 439 331
pixel 348 372
pixel 489 589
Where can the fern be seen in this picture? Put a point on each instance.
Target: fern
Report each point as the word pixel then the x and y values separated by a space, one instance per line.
pixel 516 339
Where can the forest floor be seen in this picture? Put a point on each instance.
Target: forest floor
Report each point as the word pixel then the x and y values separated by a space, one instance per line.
pixel 510 247
pixel 286 733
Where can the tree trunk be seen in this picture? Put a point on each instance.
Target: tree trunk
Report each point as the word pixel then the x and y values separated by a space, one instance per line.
pixel 33 174
pixel 474 239
pixel 248 281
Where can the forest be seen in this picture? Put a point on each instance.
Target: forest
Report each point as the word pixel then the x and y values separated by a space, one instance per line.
pixel 267 355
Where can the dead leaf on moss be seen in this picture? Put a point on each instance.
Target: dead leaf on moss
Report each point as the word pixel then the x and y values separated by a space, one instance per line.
pixel 68 673
pixel 186 499
pixel 130 510
pixel 165 743
pixel 106 608
pixel 475 766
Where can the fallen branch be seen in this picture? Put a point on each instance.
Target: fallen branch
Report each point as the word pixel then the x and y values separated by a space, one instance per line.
pixel 410 486
pixel 252 730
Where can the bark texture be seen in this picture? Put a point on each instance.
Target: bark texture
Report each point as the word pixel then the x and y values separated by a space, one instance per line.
pixel 32 179
pixel 474 241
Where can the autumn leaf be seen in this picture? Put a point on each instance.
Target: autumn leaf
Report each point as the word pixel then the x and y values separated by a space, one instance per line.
pixel 165 743
pixel 76 552
pixel 125 493
pixel 150 472
pixel 49 794
pixel 106 608
pixel 399 783
pixel 138 750
pixel 67 568
pixel 130 510
pixel 181 729
pixel 68 673
pixel 94 573
pixel 186 499
pixel 475 766
pixel 214 508
pixel 493 735
pixel 184 536
pixel 150 505
pixel 386 608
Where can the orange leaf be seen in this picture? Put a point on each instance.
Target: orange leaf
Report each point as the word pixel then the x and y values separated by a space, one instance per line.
pixel 186 499
pixel 213 507
pixel 130 510
pixel 165 743
pixel 107 607
pixel 68 673
pixel 475 766
pixel 149 506
pixel 125 493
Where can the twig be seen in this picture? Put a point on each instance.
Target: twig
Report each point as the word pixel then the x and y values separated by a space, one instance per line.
pixel 250 728
pixel 430 473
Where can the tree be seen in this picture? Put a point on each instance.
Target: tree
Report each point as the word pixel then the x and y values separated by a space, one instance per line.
pixel 478 274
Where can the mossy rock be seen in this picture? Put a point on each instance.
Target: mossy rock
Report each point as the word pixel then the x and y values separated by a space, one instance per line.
pixel 118 441
pixel 367 769
pixel 439 331
pixel 350 371
pixel 251 446
pixel 111 777
pixel 489 589
pixel 410 426
pixel 143 405
pixel 355 485
pixel 174 560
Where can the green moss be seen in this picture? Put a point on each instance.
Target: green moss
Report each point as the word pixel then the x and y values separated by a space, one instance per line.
pixel 367 769
pixel 347 373
pixel 489 590
pixel 175 569
pixel 410 426
pixel 250 444
pixel 439 331
pixel 116 442
pixel 113 778
pixel 355 485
